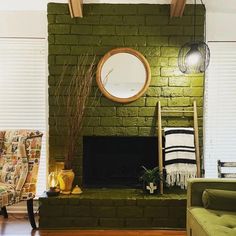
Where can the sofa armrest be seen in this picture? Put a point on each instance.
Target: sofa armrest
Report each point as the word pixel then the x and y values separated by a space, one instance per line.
pixel 198 185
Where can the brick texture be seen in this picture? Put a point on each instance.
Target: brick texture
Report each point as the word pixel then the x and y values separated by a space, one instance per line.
pixel 113 209
pixel 144 27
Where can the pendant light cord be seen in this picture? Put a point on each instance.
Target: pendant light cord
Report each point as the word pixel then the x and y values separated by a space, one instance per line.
pixel 194 20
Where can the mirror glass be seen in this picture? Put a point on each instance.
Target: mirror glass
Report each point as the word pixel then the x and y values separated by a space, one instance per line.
pixel 123 75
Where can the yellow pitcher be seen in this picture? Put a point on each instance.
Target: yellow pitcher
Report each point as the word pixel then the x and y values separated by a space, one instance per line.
pixel 65 178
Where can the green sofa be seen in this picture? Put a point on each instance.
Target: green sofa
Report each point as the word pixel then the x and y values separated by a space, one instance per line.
pixel 207 222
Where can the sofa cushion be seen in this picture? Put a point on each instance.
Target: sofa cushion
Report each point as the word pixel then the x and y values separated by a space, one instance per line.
pixel 8 194
pixel 214 223
pixel 217 199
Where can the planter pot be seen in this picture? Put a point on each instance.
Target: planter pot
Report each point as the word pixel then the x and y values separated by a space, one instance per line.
pixel 65 178
pixel 150 187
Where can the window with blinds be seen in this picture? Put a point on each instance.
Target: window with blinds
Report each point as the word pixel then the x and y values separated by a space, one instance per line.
pixel 220 107
pixel 23 90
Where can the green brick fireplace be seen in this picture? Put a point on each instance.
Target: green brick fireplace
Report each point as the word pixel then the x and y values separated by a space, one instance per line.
pixel 113 208
pixel 148 29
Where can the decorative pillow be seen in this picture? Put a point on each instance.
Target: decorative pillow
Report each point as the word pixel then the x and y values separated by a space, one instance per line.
pixel 217 199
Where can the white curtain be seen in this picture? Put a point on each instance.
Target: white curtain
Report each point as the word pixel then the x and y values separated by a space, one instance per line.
pixel 220 107
pixel 23 91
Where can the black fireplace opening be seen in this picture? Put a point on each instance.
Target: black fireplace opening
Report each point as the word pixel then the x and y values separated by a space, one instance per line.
pixel 114 162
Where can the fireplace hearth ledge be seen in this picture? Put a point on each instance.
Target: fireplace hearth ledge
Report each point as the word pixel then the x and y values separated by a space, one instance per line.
pixel 113 208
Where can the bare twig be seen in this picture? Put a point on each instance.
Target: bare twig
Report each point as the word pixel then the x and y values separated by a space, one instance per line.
pixel 76 95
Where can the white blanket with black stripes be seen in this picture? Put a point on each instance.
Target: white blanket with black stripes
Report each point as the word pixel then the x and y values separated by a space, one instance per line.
pixel 180 160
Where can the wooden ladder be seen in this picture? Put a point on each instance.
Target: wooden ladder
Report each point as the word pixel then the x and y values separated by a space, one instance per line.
pixel 196 137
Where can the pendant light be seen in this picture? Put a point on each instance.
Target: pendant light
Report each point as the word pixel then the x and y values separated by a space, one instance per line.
pixel 194 56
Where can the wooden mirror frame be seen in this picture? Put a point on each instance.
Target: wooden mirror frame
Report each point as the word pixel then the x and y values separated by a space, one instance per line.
pixel 132 52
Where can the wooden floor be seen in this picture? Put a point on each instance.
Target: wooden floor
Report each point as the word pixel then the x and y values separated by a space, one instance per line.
pixel 18 225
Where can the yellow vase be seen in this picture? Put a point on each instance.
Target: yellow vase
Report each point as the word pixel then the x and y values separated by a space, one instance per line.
pixel 65 178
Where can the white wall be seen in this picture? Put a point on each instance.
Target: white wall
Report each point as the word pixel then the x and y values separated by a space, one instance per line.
pixel 22 5
pixel 220 20
pixel 41 5
pixel 220 26
pixel 23 24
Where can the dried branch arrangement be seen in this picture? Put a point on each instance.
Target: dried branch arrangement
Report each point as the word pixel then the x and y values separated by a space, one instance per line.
pixel 77 93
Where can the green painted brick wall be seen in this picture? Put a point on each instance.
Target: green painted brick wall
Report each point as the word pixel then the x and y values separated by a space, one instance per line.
pixel 144 27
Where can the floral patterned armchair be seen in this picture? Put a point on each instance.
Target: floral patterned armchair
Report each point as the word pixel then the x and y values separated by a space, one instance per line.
pixel 19 163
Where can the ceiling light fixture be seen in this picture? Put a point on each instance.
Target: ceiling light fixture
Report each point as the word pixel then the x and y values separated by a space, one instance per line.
pixel 194 56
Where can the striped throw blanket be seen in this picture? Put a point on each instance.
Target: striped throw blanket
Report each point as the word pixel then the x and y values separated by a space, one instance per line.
pixel 180 160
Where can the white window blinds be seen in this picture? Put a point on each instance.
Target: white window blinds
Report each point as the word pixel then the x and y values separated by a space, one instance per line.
pixel 23 90
pixel 220 107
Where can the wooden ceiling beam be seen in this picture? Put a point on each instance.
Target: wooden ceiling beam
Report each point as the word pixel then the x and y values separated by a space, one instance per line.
pixel 76 8
pixel 177 8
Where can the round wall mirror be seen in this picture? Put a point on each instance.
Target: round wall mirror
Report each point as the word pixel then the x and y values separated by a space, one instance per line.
pixel 123 75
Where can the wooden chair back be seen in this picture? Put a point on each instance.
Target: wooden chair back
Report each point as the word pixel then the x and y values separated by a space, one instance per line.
pixel 229 164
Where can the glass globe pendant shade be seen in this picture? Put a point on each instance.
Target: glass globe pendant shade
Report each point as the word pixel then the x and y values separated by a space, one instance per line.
pixel 193 57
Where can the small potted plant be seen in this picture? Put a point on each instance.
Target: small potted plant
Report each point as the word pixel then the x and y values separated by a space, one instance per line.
pixel 150 179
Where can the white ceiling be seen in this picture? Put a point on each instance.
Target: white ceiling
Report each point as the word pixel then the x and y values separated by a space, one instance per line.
pixel 225 6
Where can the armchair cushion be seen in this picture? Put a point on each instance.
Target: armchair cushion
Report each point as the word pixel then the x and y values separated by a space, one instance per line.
pixel 219 199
